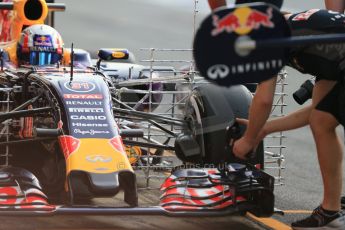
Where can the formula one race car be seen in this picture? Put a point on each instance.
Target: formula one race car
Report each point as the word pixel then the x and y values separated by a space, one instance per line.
pixel 65 133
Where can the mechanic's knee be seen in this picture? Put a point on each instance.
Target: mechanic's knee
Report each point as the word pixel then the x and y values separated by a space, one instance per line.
pixel 322 122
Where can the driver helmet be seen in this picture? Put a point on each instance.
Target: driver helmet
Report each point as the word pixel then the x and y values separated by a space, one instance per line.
pixel 39 45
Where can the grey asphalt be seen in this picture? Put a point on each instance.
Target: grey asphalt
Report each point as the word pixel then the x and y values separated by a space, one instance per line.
pixel 135 24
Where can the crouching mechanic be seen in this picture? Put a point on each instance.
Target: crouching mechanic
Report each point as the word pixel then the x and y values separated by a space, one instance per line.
pixel 327 63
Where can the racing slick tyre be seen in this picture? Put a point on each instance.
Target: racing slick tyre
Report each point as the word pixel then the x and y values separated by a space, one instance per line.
pixel 210 110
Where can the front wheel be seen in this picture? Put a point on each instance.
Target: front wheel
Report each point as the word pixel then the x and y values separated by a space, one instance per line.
pixel 210 110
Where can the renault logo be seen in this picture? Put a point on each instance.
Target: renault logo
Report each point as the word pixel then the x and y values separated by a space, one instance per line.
pixel 98 158
pixel 218 71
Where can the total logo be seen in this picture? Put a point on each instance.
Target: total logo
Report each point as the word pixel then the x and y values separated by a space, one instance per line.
pixel 80 86
pixel 242 21
pixel 83 96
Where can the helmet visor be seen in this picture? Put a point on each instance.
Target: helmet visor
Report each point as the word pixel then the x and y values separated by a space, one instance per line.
pixel 40 58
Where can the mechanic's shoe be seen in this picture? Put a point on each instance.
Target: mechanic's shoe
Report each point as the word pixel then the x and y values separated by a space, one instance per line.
pixel 321 221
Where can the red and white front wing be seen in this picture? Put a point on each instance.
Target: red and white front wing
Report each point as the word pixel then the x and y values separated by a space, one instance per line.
pixel 196 192
pixel 184 193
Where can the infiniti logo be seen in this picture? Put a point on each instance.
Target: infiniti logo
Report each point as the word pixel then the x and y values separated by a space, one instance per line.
pixel 218 71
pixel 98 158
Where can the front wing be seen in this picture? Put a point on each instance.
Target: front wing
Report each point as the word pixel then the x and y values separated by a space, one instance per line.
pixel 186 192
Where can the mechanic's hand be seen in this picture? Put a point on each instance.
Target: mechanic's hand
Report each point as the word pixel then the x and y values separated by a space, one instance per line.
pixel 242 147
pixel 242 121
pixel 261 135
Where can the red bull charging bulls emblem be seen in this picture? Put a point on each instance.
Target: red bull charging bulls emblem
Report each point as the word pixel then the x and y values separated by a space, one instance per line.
pixel 219 60
pixel 242 21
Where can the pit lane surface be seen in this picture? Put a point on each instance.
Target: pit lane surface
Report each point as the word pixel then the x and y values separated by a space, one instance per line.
pixel 169 24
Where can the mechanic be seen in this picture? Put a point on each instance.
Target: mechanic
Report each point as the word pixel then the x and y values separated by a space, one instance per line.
pixel 325 110
pixel 38 45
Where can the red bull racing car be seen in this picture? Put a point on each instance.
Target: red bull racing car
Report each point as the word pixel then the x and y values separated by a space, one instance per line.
pixel 66 134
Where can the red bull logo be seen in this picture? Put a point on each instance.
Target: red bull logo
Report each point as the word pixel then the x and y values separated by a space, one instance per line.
pixel 42 40
pixel 242 21
pixel 228 23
